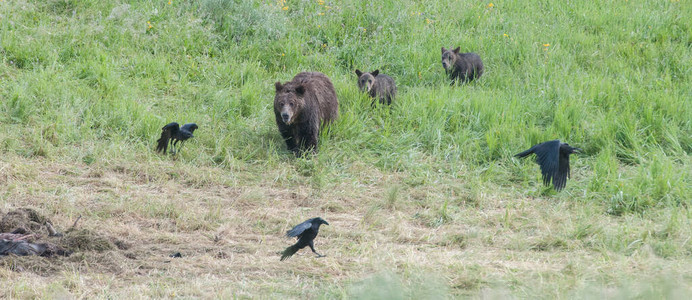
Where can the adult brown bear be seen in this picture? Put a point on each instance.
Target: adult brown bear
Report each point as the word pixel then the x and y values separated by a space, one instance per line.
pixel 302 107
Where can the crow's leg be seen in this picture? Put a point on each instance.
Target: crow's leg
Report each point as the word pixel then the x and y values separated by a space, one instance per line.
pixel 173 147
pixel 312 247
pixel 181 145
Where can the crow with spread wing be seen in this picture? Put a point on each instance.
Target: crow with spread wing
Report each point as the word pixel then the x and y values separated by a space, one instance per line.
pixel 172 133
pixel 306 233
pixel 553 157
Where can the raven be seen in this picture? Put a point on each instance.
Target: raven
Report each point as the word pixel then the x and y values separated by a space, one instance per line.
pixel 306 233
pixel 172 133
pixel 553 157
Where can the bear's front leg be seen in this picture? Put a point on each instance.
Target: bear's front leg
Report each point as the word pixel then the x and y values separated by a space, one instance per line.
pixel 288 136
pixel 308 135
pixel 290 140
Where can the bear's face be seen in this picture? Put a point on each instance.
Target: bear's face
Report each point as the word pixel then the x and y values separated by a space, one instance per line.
pixel 366 80
pixel 449 57
pixel 288 101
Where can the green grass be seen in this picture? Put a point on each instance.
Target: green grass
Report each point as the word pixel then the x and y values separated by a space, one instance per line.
pixel 85 86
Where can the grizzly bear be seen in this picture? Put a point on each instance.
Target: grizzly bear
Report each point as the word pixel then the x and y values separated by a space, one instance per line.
pixel 302 106
pixel 462 66
pixel 378 85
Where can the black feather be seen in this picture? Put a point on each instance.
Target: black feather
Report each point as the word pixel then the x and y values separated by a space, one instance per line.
pixel 189 127
pixel 299 229
pixel 289 252
pixel 167 132
pixel 553 158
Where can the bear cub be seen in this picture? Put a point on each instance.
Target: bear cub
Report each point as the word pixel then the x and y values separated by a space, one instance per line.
pixel 379 86
pixel 302 106
pixel 462 66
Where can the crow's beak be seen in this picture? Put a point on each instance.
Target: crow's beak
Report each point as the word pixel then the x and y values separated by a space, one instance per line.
pixel 578 150
pixel 325 222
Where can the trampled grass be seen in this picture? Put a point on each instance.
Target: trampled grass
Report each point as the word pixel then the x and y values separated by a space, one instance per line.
pixel 424 198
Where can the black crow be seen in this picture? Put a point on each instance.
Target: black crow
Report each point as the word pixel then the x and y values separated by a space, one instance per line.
pixel 306 233
pixel 553 157
pixel 172 133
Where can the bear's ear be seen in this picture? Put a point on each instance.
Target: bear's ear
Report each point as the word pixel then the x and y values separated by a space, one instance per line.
pixel 358 72
pixel 444 50
pixel 374 73
pixel 278 86
pixel 300 90
pixel 456 50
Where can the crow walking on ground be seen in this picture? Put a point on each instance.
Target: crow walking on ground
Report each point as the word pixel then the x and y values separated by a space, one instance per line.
pixel 306 233
pixel 553 157
pixel 172 133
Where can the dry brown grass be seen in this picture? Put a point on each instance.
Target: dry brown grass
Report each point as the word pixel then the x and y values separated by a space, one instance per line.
pixel 229 230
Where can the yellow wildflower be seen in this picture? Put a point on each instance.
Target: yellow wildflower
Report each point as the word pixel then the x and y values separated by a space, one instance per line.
pixel 285 8
pixel 321 14
pixel 427 20
pixel 320 2
pixel 505 35
pixel 169 2
pixel 490 5
pixel 282 54
pixel 546 45
pixel 324 45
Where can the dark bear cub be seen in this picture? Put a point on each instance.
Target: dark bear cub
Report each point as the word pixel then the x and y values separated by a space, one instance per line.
pixel 462 66
pixel 378 85
pixel 302 106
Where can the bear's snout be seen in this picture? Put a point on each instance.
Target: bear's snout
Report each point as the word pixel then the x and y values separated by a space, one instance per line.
pixel 286 117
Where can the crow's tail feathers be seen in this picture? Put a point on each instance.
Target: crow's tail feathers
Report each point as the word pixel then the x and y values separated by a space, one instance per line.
pixel 289 252
pixel 524 154
pixel 162 144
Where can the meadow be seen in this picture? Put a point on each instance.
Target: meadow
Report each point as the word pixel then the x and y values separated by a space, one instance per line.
pixel 424 197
